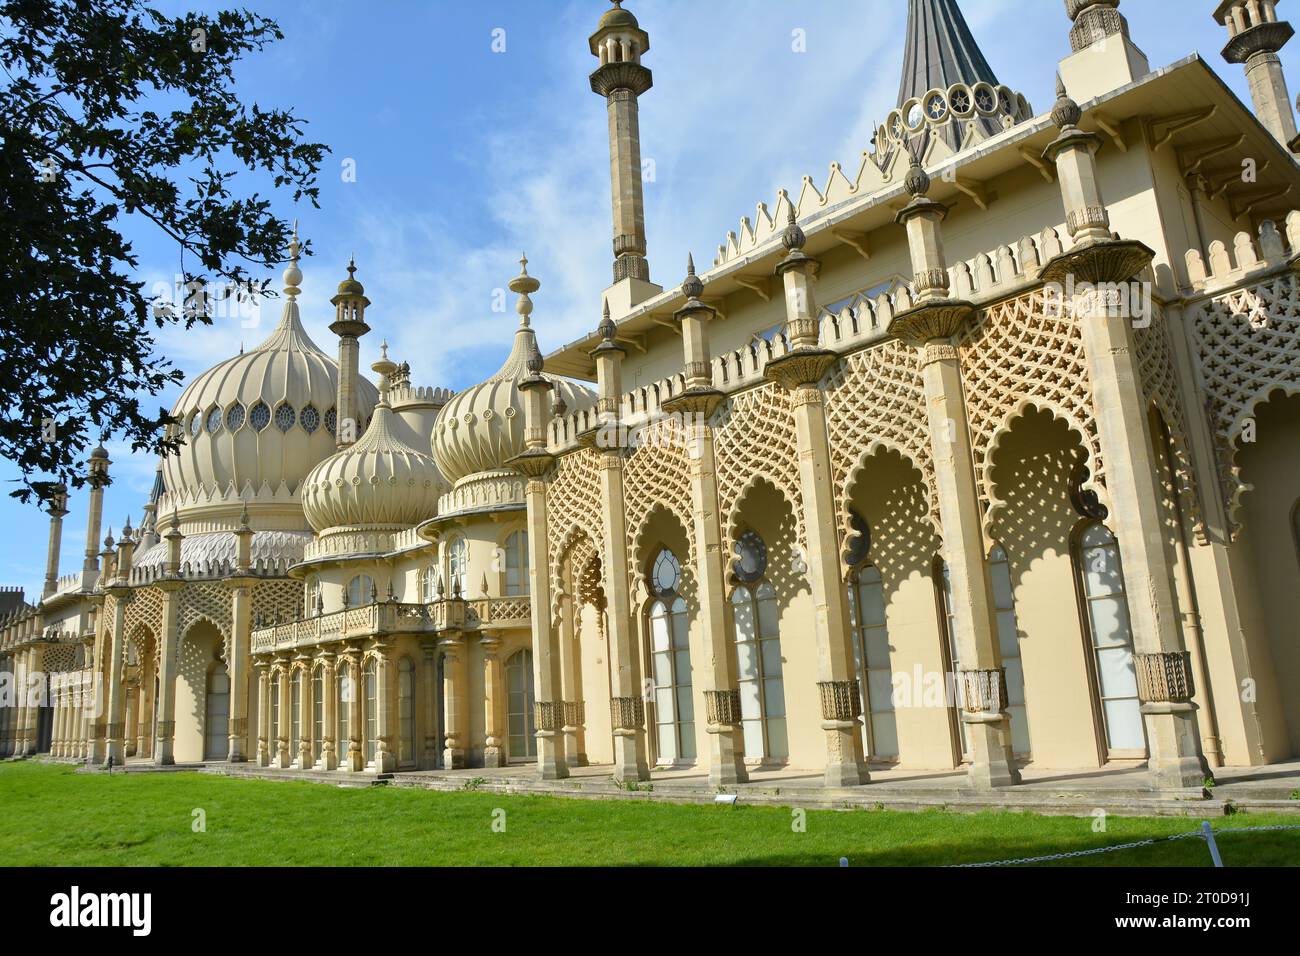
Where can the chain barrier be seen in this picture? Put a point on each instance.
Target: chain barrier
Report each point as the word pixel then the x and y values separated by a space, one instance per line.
pixel 1122 846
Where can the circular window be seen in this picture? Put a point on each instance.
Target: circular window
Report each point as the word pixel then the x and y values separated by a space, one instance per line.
pixel 260 416
pixel 214 421
pixel 331 421
pixel 235 417
pixel 913 115
pixel 310 419
pixel 936 107
pixel 986 101
pixel 858 545
pixel 751 557
pixel 284 418
pixel 667 573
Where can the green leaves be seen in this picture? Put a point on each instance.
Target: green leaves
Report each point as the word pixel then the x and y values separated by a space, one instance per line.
pixel 112 113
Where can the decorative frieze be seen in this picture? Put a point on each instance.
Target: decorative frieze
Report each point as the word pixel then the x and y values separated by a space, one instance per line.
pixel 1163 677
pixel 984 691
pixel 722 707
pixel 627 713
pixel 840 699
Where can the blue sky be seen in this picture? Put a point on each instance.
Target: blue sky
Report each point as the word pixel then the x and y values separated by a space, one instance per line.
pixel 464 156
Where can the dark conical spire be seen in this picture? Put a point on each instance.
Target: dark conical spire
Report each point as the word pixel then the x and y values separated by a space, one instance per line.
pixel 940 50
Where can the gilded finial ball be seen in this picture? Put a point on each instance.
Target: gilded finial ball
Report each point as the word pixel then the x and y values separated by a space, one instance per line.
pixel 793 237
pixel 692 287
pixel 917 182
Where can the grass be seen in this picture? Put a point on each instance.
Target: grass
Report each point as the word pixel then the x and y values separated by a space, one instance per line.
pixel 52 815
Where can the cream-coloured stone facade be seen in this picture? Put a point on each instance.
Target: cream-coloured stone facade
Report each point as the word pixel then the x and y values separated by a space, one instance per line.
pixel 981 456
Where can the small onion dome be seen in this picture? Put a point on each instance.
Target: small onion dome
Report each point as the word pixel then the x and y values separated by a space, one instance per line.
pixel 1065 112
pixel 917 180
pixel 262 417
pixel 482 428
pixel 350 285
pixel 378 483
pixel 99 452
pixel 618 17
pixel 792 237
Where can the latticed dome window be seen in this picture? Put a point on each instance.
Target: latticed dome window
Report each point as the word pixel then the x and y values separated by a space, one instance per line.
pixel 1004 101
pixel 196 423
pixel 310 419
pixel 961 101
pixel 284 417
pixel 235 417
pixel 985 101
pixel 331 421
pixel 935 106
pixel 214 421
pixel 260 416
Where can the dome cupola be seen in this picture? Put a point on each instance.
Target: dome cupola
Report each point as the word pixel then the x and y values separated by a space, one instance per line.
pixel 255 424
pixel 380 483
pixel 482 428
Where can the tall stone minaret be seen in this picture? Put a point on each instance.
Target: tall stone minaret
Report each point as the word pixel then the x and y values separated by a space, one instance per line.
pixel 57 506
pixel 1255 34
pixel 349 325
pixel 97 478
pixel 1104 58
pixel 619 43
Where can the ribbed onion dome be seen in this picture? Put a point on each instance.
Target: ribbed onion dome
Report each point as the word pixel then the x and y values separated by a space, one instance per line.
pixel 379 483
pixel 263 417
pixel 482 428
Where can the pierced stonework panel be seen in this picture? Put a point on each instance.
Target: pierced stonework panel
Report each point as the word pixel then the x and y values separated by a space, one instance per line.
pixel 277 600
pixel 210 602
pixel 658 474
pixel 1247 344
pixel 755 440
pixel 144 609
pixel 875 400
pixel 1017 354
pixel 573 502
pixel 1155 355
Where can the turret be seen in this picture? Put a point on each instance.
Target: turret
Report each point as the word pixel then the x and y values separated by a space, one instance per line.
pixel 619 43
pixel 1104 56
pixel 1255 35
pixel 349 325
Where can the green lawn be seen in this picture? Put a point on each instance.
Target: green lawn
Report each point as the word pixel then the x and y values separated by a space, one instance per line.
pixel 52 815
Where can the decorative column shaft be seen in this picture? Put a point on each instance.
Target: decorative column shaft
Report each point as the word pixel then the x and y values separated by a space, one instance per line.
pixel 454 671
pixel 932 326
pixel 97 478
pixel 385 724
pixel 58 508
pixel 283 756
pixel 493 752
pixel 430 695
pixel 1096 267
pixel 575 744
pixel 329 758
pixel 263 714
pixel 356 754
pixel 1255 35
pixel 696 405
pixel 800 372
pixel 115 726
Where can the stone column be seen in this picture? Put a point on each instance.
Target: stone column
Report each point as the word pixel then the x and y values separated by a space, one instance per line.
pixel 535 464
pixel 131 736
pixel 933 326
pixel 385 722
pixel 800 372
pixel 1255 35
pixel 349 325
pixel 430 697
pixel 263 714
pixel 329 758
pixel 283 756
pixel 304 756
pixel 627 705
pixel 493 735
pixel 575 742
pixel 115 728
pixel 97 478
pixel 453 694
pixel 356 759
pixel 1093 269
pixel 164 753
pixel 58 508
pixel 696 405
pixel 241 617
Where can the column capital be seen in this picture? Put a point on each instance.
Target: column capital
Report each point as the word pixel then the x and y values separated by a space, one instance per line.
pixel 1163 677
pixel 1097 262
pixel 628 78
pixel 937 320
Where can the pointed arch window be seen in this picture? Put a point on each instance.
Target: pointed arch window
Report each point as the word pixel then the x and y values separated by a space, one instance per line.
pixel 516 562
pixel 520 720
pixel 235 417
pixel 758 652
pixel 309 418
pixel 430 584
pixel 361 590
pixel 866 593
pixel 1107 615
pixel 332 421
pixel 317 712
pixel 214 421
pixel 285 417
pixel 196 424
pixel 260 416
pixel 458 566
pixel 371 681
pixel 217 714
pixel 1004 603
pixel 668 635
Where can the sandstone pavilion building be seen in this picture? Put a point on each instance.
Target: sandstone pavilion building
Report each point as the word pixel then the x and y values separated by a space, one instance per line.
pixel 979 453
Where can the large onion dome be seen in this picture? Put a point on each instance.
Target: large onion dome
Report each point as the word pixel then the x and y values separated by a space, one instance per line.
pixel 255 424
pixel 378 483
pixel 482 428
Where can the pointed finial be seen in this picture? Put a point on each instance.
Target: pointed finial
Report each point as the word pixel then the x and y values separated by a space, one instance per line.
pixel 352 265
pixel 1066 112
pixel 383 349
pixel 243 517
pixel 607 329
pixel 793 237
pixel 692 287
pixel 524 285
pixel 293 274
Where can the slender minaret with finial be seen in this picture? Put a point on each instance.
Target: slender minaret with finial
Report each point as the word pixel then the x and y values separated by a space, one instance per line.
pixel 619 42
pixel 57 506
pixel 1103 57
pixel 97 478
pixel 1255 35
pixel 349 325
